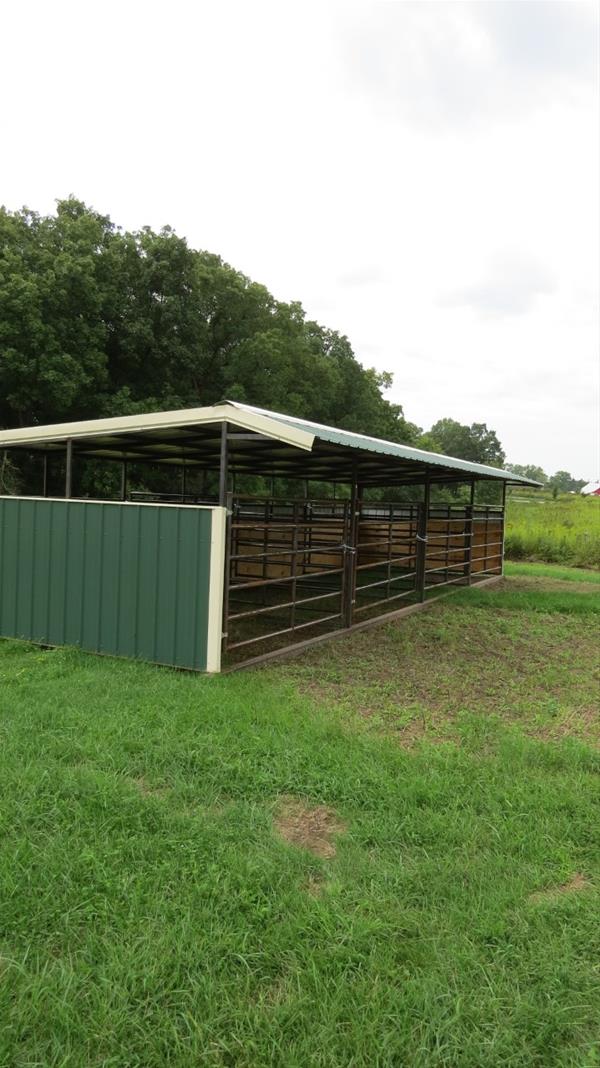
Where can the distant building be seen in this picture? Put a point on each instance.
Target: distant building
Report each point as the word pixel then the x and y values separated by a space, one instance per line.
pixel 592 489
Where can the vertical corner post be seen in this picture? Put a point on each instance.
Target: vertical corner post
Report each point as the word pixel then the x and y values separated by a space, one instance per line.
pixel 224 466
pixel 503 522
pixel 225 501
pixel 45 476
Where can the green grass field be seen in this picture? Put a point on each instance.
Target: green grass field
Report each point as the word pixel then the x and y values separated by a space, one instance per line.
pixel 562 531
pixel 537 570
pixel 384 853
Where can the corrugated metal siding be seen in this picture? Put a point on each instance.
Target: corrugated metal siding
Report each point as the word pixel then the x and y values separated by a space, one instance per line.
pixel 124 579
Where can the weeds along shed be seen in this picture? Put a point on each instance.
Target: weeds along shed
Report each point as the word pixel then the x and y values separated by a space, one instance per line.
pixel 199 573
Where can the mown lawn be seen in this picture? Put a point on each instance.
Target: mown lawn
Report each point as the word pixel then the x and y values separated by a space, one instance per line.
pixel 386 852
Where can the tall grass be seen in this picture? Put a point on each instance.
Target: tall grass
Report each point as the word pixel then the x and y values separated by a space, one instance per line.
pixel 562 531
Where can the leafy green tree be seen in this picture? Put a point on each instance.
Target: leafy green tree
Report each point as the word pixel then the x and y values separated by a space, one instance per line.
pixel 563 482
pixel 475 443
pixel 96 321
pixel 9 480
pixel 428 442
pixel 537 474
pixel 52 330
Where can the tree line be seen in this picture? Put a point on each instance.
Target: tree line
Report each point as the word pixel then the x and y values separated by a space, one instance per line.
pixel 97 321
pixel 560 482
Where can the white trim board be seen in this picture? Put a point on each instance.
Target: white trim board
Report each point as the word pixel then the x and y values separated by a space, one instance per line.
pixel 119 504
pixel 132 424
pixel 215 589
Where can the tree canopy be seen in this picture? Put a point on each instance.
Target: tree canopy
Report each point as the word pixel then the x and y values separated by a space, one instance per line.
pixel 560 482
pixel 530 471
pixel 563 482
pixel 475 443
pixel 96 321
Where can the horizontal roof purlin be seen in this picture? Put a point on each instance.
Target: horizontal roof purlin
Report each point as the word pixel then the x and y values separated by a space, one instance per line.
pixel 284 429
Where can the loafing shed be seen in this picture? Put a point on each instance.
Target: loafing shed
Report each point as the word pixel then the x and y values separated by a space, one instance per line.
pixel 201 575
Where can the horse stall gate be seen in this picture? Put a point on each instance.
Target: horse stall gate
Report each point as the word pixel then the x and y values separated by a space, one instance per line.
pixel 305 568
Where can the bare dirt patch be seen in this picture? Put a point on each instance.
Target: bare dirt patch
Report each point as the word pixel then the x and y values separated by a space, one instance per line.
pixel 315 886
pixel 308 827
pixel 572 886
pixel 581 723
pixel 536 671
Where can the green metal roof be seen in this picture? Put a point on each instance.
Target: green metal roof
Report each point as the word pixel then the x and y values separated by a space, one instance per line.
pixel 300 448
pixel 388 448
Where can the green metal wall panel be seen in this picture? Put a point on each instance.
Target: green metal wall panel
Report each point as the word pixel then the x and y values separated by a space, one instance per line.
pixel 124 579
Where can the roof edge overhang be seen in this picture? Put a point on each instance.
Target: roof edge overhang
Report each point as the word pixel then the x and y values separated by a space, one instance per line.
pixel 297 433
pixel 405 452
pixel 134 424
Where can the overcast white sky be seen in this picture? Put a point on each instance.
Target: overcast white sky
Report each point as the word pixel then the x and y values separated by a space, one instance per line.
pixel 422 176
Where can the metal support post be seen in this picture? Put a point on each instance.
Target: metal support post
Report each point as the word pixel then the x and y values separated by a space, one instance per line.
pixel 503 522
pixel 123 480
pixel 350 556
pixel 226 576
pixel 422 541
pixel 69 470
pixel 294 566
pixel 45 476
pixel 223 467
pixel 469 533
